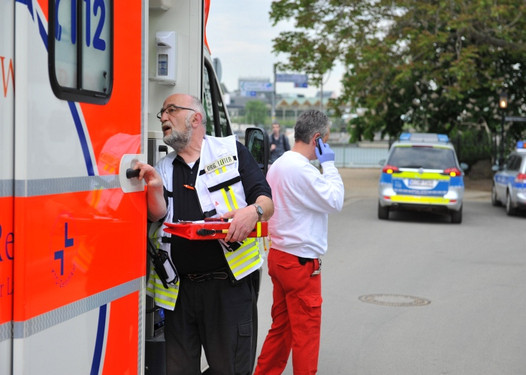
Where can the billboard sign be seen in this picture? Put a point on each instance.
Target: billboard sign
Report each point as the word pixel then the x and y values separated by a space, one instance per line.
pixel 299 80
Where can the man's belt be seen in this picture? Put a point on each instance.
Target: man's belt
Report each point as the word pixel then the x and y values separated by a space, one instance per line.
pixel 200 277
pixel 303 261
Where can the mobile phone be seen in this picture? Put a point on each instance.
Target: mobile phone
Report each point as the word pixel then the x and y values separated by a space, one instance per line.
pixel 318 144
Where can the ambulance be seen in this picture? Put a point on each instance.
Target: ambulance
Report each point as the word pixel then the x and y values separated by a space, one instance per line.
pixel 82 82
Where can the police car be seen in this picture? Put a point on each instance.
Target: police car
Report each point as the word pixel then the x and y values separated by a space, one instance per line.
pixel 509 183
pixel 422 172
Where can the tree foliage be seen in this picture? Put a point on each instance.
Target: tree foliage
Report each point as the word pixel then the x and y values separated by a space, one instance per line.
pixel 255 112
pixel 436 66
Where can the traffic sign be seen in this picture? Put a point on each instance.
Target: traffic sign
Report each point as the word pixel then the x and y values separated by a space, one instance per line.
pixel 515 119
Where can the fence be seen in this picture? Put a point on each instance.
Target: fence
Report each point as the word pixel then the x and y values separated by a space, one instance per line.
pixel 352 156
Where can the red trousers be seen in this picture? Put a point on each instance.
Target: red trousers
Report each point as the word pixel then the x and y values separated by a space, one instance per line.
pixel 296 316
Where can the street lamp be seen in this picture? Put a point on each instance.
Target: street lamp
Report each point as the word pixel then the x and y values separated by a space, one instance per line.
pixel 503 104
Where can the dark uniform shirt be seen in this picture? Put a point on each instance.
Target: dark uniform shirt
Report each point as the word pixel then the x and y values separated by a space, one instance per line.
pixel 196 256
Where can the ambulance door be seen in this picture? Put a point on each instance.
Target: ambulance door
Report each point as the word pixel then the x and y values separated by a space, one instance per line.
pixel 6 183
pixel 79 230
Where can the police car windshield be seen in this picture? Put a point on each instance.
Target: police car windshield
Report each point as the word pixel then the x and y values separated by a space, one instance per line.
pixel 422 157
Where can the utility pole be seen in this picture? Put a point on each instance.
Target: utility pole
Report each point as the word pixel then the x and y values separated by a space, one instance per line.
pixel 503 104
pixel 273 112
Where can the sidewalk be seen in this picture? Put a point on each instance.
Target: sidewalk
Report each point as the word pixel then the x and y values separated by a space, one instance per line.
pixel 363 183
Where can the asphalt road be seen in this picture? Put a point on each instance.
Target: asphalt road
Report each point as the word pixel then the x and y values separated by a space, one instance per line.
pixel 417 295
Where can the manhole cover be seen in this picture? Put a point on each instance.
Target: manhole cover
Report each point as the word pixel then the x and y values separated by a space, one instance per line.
pixel 396 300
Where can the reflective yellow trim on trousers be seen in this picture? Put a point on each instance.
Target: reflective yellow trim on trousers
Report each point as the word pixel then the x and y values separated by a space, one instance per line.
pixel 418 199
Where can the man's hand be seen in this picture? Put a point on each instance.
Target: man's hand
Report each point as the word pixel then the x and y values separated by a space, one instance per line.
pixel 326 153
pixel 243 222
pixel 154 192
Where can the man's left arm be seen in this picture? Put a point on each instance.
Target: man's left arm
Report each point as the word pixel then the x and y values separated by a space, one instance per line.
pixel 257 192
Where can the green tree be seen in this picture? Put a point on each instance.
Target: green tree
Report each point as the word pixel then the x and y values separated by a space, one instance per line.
pixel 255 112
pixel 434 66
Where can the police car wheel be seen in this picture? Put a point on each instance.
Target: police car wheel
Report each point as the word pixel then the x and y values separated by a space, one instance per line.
pixel 494 199
pixel 383 212
pixel 456 216
pixel 510 210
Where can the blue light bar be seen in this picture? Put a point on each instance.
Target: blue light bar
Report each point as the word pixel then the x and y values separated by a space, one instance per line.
pixel 424 137
pixel 520 144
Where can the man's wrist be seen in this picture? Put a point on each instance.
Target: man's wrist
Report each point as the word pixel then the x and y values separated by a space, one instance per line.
pixel 259 210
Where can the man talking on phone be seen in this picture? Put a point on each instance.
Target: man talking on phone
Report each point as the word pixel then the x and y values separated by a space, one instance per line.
pixel 303 198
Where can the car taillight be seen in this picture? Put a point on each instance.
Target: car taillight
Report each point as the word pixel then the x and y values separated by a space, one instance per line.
pixel 520 177
pixel 452 172
pixel 390 169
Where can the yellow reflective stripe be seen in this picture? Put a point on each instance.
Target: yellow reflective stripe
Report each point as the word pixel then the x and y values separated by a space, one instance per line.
pixel 253 252
pixel 249 260
pixel 227 202
pixel 421 176
pixel 419 199
pixel 172 295
pixel 234 200
pixel 258 229
pixel 253 264
pixel 241 254
pixel 246 259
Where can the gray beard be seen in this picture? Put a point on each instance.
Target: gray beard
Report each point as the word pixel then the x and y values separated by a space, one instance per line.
pixel 178 141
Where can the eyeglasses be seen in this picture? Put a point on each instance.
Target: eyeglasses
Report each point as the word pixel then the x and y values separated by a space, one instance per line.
pixel 171 109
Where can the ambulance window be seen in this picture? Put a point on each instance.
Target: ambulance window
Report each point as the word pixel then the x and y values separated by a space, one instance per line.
pixel 217 119
pixel 81 49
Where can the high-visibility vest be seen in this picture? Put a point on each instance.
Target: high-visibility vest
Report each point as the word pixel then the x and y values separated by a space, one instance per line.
pixel 219 189
pixel 163 297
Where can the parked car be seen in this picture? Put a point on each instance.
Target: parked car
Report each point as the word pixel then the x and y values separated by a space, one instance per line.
pixel 422 172
pixel 509 182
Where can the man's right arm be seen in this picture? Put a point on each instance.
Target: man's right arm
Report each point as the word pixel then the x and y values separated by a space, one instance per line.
pixel 154 191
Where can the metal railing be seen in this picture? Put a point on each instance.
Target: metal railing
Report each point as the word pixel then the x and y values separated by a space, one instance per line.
pixel 352 156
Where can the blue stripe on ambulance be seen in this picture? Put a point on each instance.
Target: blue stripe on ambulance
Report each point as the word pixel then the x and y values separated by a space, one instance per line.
pixel 99 344
pixel 82 138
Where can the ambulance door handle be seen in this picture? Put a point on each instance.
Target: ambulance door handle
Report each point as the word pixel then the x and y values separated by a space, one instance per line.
pixel 131 173
pixel 127 173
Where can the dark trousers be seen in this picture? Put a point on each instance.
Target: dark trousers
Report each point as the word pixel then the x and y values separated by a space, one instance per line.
pixel 221 317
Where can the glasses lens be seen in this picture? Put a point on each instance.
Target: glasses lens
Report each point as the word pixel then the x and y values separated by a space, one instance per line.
pixel 171 109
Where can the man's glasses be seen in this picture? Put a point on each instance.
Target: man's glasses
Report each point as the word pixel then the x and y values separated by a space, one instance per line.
pixel 171 109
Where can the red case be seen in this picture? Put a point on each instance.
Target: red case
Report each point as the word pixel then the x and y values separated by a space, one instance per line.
pixel 209 230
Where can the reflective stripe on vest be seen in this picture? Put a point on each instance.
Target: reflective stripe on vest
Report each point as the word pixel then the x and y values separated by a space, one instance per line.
pixel 246 259
pixel 228 195
pixel 224 191
pixel 165 298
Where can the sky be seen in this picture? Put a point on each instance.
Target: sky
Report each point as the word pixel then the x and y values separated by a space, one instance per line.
pixel 240 34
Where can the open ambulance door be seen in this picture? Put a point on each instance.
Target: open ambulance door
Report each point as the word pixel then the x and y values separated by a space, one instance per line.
pixel 72 299
pixel 7 84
